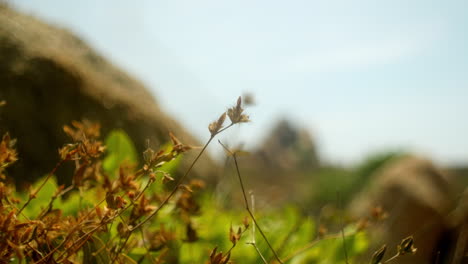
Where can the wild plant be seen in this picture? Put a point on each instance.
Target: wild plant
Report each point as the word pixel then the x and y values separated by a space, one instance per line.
pixel 115 211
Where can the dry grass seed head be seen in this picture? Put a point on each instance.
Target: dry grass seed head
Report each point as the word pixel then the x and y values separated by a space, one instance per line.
pixel 216 126
pixel 236 113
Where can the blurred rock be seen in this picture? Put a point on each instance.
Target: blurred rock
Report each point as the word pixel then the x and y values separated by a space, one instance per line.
pixel 455 242
pixel 288 148
pixel 416 195
pixel 50 77
pixel 278 166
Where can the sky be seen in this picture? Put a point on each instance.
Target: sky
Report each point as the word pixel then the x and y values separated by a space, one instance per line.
pixel 362 76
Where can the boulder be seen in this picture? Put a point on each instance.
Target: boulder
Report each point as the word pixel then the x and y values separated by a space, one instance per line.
pixel 455 240
pixel 417 198
pixel 288 147
pixel 49 77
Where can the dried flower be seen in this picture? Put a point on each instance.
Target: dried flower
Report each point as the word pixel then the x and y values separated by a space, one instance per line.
pixel 8 154
pixel 235 236
pixel 166 178
pixel 82 130
pixel 218 258
pixel 246 222
pixel 407 246
pixel 378 255
pixel 178 147
pixel 86 145
pixel 235 113
pixel 217 125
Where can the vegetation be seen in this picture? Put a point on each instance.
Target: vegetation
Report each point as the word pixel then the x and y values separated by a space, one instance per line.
pixel 117 212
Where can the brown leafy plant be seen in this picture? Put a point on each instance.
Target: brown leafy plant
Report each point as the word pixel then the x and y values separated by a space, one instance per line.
pixel 124 214
pixel 51 237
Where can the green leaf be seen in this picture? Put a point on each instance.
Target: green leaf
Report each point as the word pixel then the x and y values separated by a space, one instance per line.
pixel 171 166
pixel 119 149
pixel 75 201
pixel 42 198
pixel 94 251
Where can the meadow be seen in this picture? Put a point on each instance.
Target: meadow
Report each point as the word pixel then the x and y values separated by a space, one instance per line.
pixel 129 207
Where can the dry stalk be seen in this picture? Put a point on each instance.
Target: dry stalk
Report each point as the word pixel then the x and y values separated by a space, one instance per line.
pixel 247 207
pixel 172 193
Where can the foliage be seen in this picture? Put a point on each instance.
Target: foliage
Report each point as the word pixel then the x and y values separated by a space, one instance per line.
pixel 118 212
pixel 346 182
pixel 120 150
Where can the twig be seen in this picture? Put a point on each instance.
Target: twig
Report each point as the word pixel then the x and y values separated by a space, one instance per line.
pixel 177 186
pixel 258 251
pixel 290 234
pixel 87 234
pixel 49 207
pixel 127 237
pixel 392 258
pixel 145 245
pixel 33 195
pixel 179 182
pixel 150 181
pixel 313 243
pixel 247 203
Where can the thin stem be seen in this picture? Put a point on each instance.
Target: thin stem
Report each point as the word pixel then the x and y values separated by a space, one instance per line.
pixel 252 200
pixel 250 212
pixel 181 179
pixel 33 195
pixel 121 247
pixel 264 236
pixel 312 244
pixel 258 251
pixel 177 186
pixel 76 227
pixel 247 204
pixel 253 243
pixel 132 202
pixel 392 258
pixel 145 245
pixel 290 234
pixel 233 245
pixel 118 214
pixel 49 207
pixel 173 192
pixel 89 233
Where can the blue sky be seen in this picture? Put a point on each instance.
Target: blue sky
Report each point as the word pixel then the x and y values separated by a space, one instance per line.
pixel 363 76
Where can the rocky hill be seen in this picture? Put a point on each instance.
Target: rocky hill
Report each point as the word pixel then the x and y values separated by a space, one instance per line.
pixel 49 77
